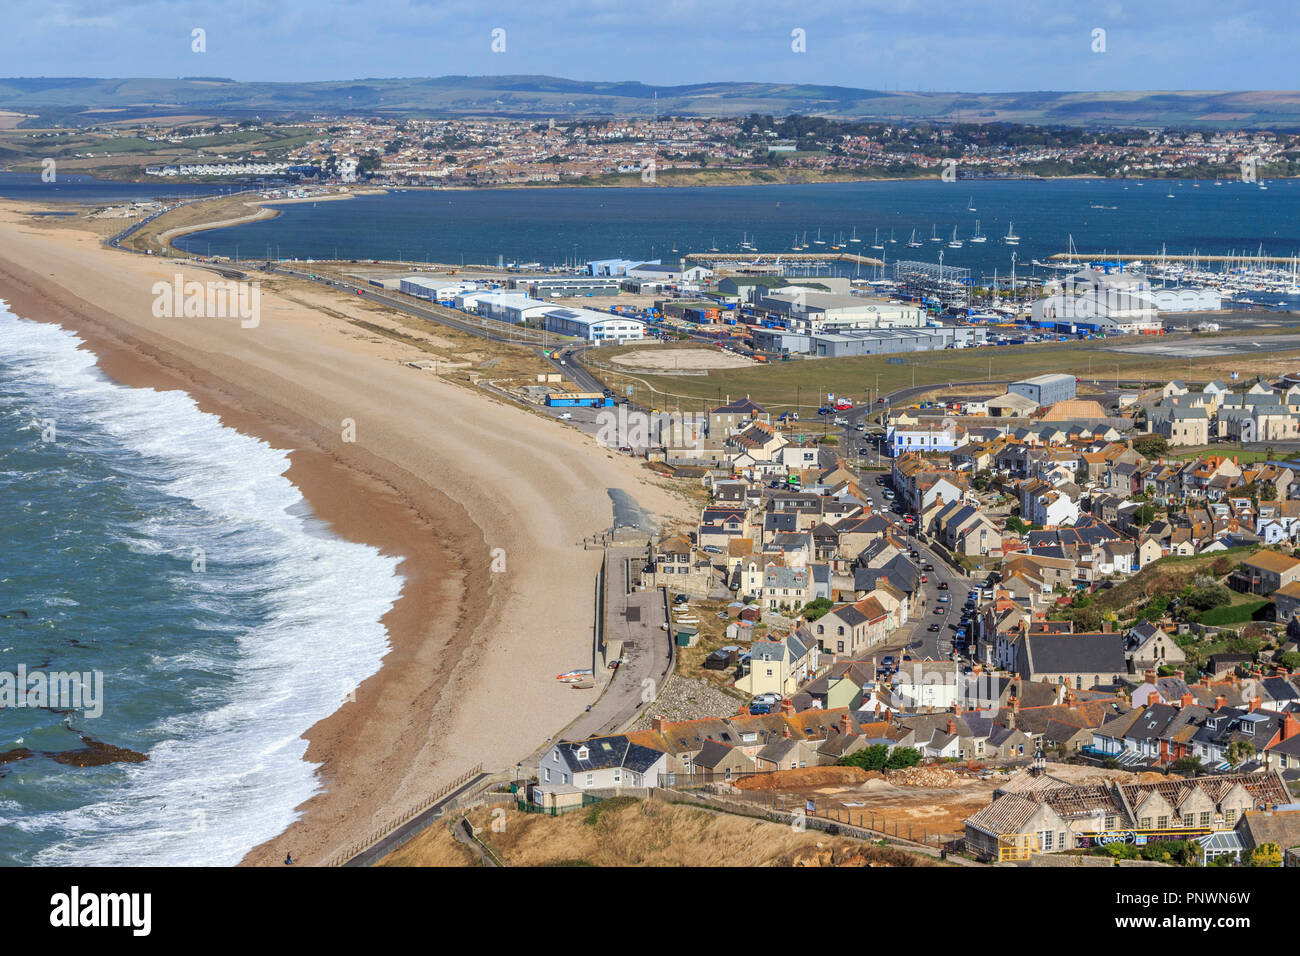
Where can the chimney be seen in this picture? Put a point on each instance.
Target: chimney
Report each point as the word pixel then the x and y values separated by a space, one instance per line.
pixel 1220 701
pixel 1181 675
pixel 1290 727
pixel 787 707
pixel 877 711
pixel 977 669
pixel 952 727
pixel 1014 703
pixel 1069 698
pixel 1011 716
pixel 1282 671
pixel 1149 676
pixel 846 724
pixel 1254 703
pixel 659 723
pixel 1186 700
pixel 785 732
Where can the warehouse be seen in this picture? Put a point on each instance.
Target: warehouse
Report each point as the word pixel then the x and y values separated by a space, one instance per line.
pixel 503 306
pixel 1045 389
pixel 877 342
pixel 436 290
pixel 749 288
pixel 820 312
pixel 558 288
pixel 593 326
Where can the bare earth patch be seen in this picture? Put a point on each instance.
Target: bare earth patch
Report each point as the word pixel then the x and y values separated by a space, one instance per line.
pixel 668 360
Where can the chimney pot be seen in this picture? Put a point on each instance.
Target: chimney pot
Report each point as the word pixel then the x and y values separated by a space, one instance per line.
pixel 659 723
pixel 1220 701
pixel 1254 704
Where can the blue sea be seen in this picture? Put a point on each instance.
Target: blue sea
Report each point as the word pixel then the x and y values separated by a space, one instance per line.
pixel 143 541
pixel 556 225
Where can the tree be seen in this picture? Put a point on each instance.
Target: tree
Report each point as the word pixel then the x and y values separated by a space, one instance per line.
pixel 1268 491
pixel 1266 854
pixel 1151 446
pixel 903 757
pixel 1290 660
pixel 1144 515
pixel 816 608
pixel 874 757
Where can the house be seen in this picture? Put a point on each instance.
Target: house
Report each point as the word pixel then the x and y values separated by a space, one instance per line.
pixel 780 665
pixel 733 417
pixel 1037 813
pixel 1079 660
pixel 596 763
pixel 1268 571
pixel 786 587
pixel 851 628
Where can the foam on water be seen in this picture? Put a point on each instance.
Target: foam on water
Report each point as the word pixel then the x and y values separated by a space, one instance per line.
pixel 227 769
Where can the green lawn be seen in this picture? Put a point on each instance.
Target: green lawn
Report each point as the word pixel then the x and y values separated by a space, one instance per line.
pixel 779 385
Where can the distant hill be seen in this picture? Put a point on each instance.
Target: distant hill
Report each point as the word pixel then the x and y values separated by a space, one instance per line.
pixel 74 99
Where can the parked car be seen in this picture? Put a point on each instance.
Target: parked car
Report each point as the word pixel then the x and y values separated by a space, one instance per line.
pixel 682 599
pixel 924 579
pixel 933 627
pixel 941 610
pixel 711 549
pixel 943 585
pixel 943 599
pixel 928 567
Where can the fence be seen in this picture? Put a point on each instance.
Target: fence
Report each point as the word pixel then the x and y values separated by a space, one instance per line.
pixel 355 851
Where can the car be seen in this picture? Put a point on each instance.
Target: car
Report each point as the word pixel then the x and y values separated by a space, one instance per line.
pixel 943 585
pixel 943 599
pixel 681 599
pixel 887 660
pixel 932 628
pixel 941 610
pixel 566 416
pixel 928 567
pixel 924 579
pixel 711 549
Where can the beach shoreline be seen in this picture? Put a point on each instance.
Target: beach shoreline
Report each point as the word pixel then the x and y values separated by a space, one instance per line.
pixel 466 680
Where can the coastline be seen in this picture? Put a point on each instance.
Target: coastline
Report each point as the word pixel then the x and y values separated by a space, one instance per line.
pixel 466 679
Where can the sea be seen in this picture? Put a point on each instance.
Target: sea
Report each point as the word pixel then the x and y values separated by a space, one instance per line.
pixel 169 560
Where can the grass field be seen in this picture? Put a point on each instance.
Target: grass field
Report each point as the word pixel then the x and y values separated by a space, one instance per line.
pixel 782 385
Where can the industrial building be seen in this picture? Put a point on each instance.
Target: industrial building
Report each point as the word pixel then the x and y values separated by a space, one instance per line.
pixel 436 290
pixel 820 312
pixel 557 287
pixel 503 306
pixel 864 342
pixel 1045 389
pixel 592 326
pixel 1092 300
pixel 747 289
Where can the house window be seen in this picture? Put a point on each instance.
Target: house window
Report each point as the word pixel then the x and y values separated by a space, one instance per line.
pixel 839 647
pixel 1045 839
pixel 590 779
pixel 1162 823
pixel 547 776
pixel 1110 821
pixel 1144 823
pixel 1229 817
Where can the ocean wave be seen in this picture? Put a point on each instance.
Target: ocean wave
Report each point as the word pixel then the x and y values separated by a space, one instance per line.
pixel 226 775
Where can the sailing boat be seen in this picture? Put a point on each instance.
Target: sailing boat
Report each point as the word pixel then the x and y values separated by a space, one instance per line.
pixel 954 243
pixel 818 241
pixel 805 240
pixel 914 243
pixel 877 244
pixel 855 235
pixel 714 247
pixel 934 234
pixel 970 204
pixel 1011 238
pixel 977 237
pixel 796 247
pixel 891 237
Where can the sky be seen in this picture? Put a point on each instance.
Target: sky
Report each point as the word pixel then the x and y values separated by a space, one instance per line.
pixel 976 46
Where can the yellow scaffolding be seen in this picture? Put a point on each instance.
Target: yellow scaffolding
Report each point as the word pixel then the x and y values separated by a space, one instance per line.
pixel 1016 846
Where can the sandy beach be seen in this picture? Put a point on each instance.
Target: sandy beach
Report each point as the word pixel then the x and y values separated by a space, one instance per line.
pixel 439 474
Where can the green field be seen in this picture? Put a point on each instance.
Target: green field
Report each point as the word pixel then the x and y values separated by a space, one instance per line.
pixel 783 384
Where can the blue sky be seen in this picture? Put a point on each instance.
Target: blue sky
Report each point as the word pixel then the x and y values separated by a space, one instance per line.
pixel 980 45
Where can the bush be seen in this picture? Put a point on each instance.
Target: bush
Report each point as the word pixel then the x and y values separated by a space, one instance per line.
pixel 874 757
pixel 816 608
pixel 1151 446
pixel 1207 596
pixel 903 757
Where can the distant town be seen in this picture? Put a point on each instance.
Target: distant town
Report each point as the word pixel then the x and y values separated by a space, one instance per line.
pixel 492 152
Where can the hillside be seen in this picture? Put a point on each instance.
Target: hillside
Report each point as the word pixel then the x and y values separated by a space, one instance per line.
pixel 630 832
pixel 86 99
